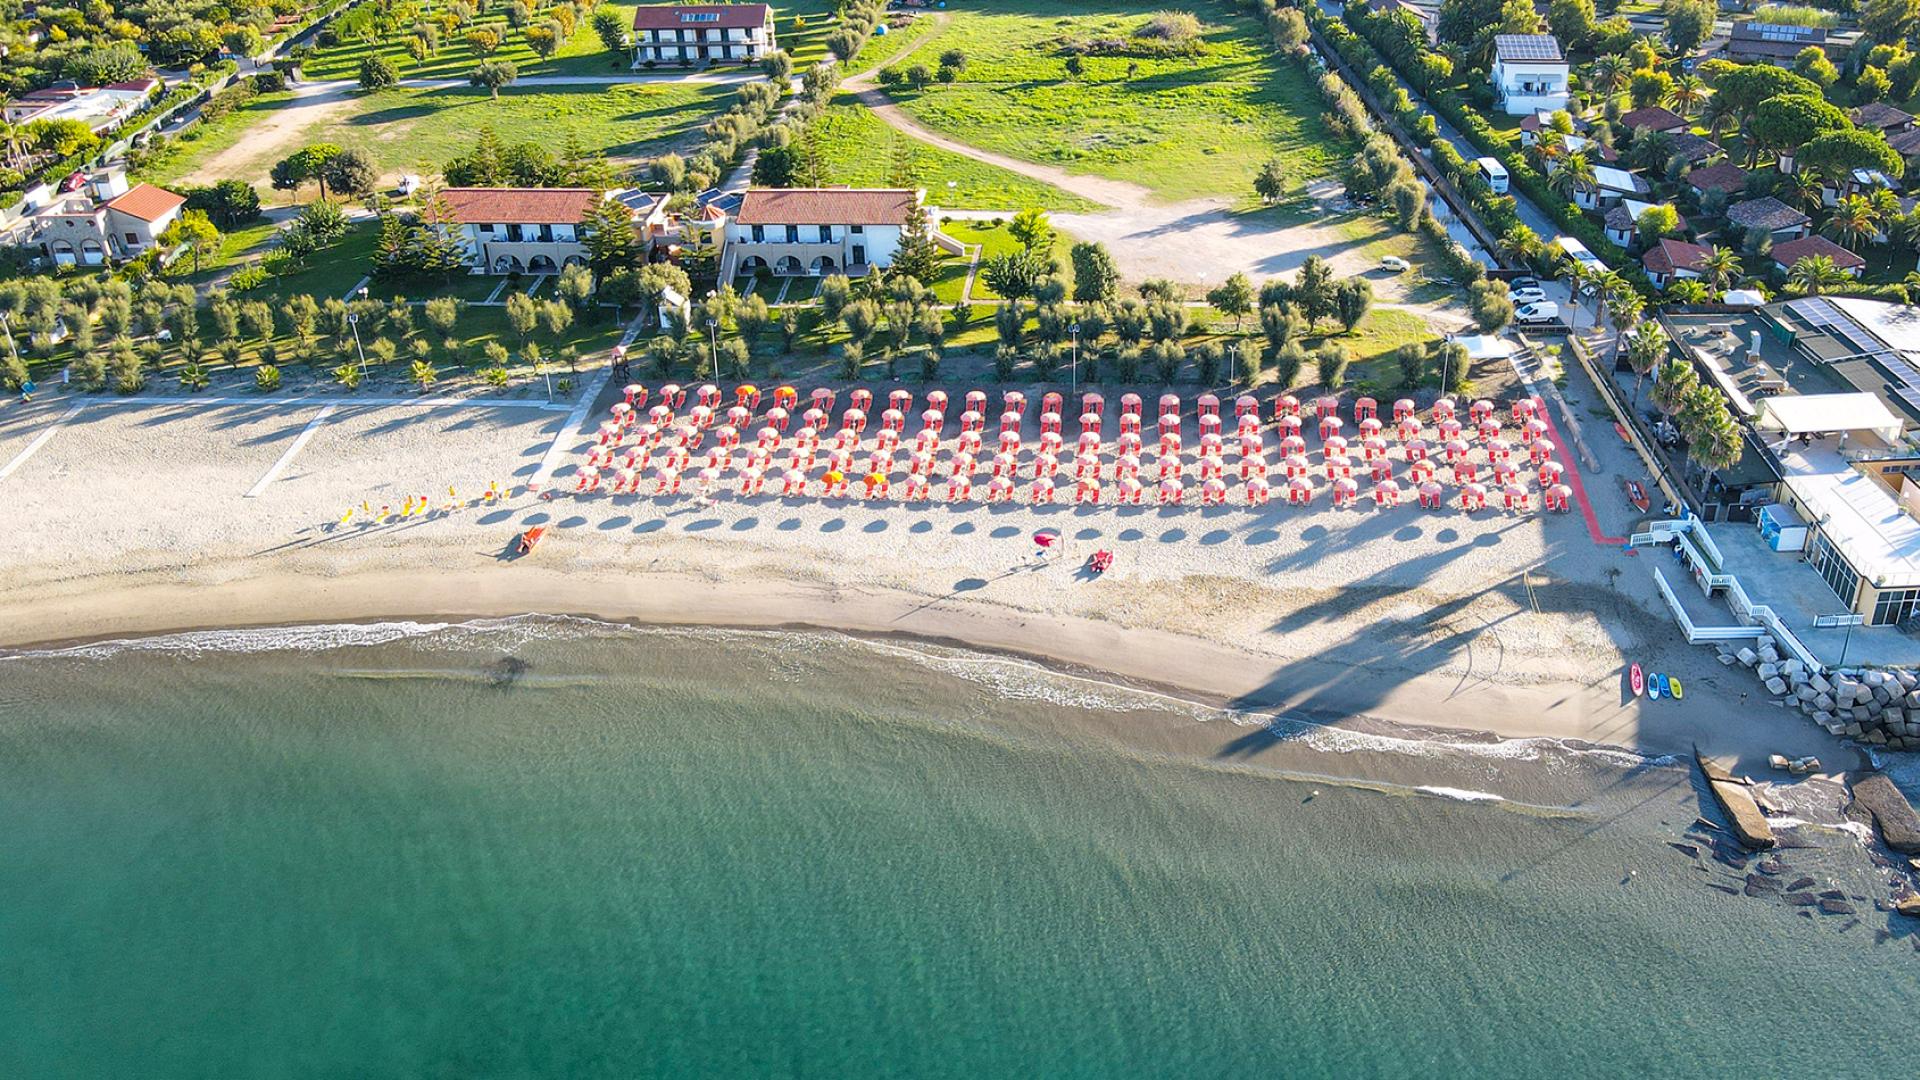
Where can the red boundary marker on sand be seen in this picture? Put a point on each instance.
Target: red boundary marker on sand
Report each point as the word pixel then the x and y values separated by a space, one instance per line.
pixel 1572 477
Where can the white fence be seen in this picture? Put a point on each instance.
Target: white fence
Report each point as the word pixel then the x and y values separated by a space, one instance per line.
pixel 1702 557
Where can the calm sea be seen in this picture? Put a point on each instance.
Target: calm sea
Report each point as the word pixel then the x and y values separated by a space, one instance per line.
pixel 554 848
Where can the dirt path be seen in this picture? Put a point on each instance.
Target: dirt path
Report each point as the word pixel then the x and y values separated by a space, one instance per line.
pixel 1198 241
pixel 275 135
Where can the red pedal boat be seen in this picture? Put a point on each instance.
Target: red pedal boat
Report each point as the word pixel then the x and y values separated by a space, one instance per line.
pixel 1638 678
pixel 1100 561
pixel 530 540
pixel 1637 495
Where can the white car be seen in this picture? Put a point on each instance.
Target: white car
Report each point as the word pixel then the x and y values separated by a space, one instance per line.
pixel 1394 263
pixel 1532 294
pixel 1544 311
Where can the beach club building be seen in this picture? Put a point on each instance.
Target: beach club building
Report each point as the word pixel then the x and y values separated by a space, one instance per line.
pixel 1830 387
pixel 702 34
pixel 817 231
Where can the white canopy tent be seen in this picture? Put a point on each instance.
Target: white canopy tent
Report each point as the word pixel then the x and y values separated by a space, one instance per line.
pixel 1810 414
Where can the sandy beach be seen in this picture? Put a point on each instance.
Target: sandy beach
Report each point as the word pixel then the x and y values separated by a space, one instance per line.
pixel 149 517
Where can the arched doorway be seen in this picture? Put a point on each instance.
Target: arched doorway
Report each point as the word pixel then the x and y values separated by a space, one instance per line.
pixel 824 264
pixel 753 264
pixel 507 264
pixel 788 264
pixel 541 264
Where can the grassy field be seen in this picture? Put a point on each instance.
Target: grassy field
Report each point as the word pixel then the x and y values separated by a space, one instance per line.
pixel 582 54
pixel 415 129
pixel 182 154
pixel 858 149
pixel 802 27
pixel 405 128
pixel 1182 126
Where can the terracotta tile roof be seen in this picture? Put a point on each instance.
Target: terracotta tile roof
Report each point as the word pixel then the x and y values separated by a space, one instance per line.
pixel 1653 118
pixel 1671 255
pixel 519 206
pixel 146 202
pixel 1725 176
pixel 827 206
pixel 693 16
pixel 1794 250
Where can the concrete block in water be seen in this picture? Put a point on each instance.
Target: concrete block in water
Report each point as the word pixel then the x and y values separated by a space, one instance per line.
pixel 1767 671
pixel 1776 685
pixel 1892 814
pixel 1824 701
pixel 1820 684
pixel 1747 656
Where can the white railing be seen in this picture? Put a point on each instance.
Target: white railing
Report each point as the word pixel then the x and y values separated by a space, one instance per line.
pixel 1696 634
pixel 1702 557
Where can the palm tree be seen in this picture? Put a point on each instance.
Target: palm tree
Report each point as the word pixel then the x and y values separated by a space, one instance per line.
pixel 1719 445
pixel 1574 174
pixel 1886 205
pixel 1720 268
pixel 1689 291
pixel 1717 114
pixel 1519 244
pixel 1624 308
pixel 1646 347
pixel 1610 73
pixel 1803 189
pixel 1671 385
pixel 1548 149
pixel 1815 274
pixel 1688 92
pixel 1852 221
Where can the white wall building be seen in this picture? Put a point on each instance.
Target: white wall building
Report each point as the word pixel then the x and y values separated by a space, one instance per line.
pixel 538 230
pixel 817 231
pixel 702 34
pixel 1530 73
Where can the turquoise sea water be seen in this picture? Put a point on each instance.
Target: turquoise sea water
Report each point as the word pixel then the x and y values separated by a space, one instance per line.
pixel 549 848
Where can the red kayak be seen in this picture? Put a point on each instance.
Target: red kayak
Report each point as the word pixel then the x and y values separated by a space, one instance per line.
pixel 1638 678
pixel 1637 495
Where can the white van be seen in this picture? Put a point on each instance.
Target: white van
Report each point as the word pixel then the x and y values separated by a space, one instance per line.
pixel 1494 173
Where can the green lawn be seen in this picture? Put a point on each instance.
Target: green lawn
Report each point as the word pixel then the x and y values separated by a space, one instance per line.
pixel 993 240
pixel 858 149
pixel 1182 126
pixel 422 129
pixel 330 272
pixel 882 48
pixel 582 54
pixel 801 28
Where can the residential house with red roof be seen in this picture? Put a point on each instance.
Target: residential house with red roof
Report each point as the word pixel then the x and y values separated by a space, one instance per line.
pixel 538 230
pixel 702 34
pixel 1673 260
pixel 94 221
pixel 1785 255
pixel 817 231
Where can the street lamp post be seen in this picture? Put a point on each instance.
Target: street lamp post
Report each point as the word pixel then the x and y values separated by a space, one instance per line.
pixel 7 325
pixel 353 322
pixel 1073 368
pixel 1233 366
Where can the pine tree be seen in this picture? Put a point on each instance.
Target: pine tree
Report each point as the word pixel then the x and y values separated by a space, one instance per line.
pixel 486 158
pixel 441 251
pixel 610 240
pixel 390 255
pixel 916 257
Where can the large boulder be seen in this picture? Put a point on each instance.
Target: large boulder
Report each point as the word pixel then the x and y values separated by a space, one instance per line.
pixel 1894 715
pixel 1820 684
pixel 1792 666
pixel 1913 699
pixel 1767 671
pixel 1824 701
pixel 1747 656
pixel 1907 680
pixel 1862 715
pixel 1776 685
pixel 1880 694
pixel 1806 692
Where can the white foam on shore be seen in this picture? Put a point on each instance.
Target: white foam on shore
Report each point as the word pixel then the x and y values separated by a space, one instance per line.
pixel 1462 794
pixel 1009 677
